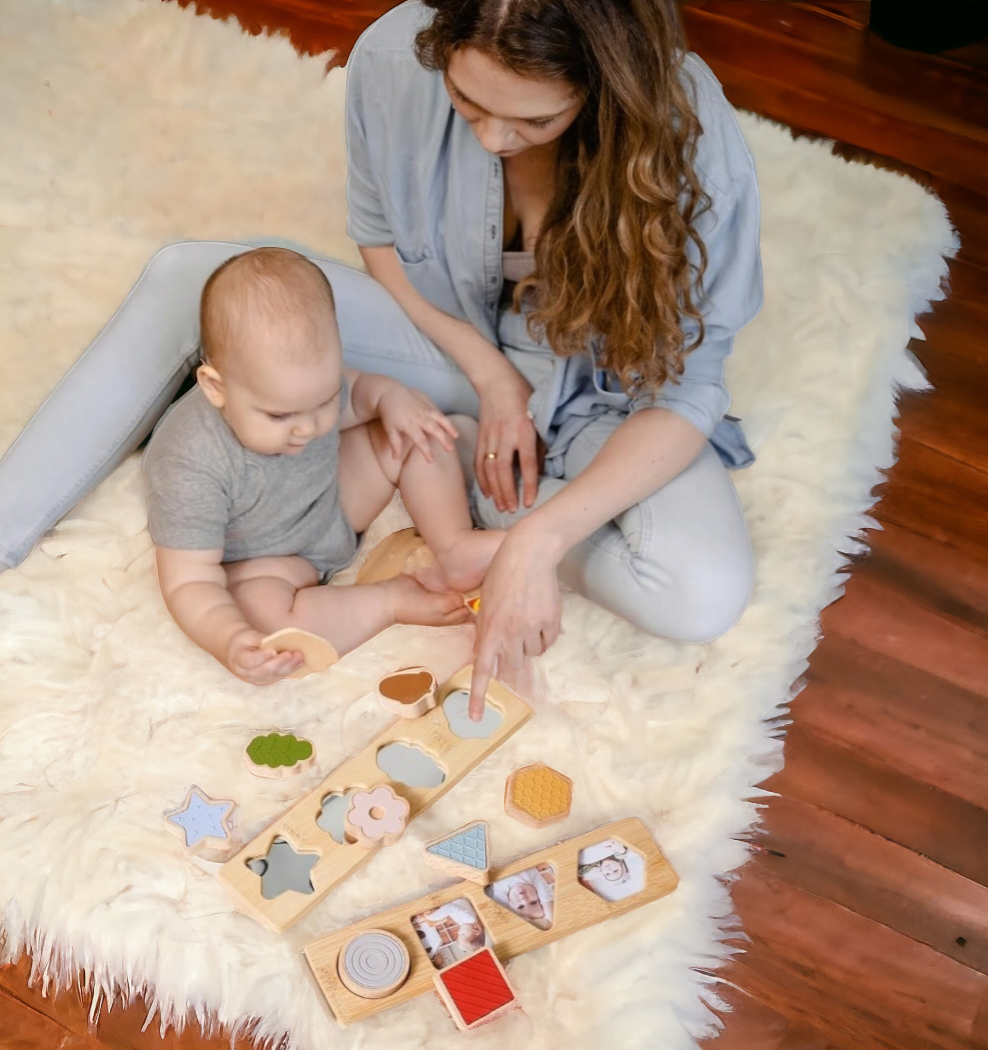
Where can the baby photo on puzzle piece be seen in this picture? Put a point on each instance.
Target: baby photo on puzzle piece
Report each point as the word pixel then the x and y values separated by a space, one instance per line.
pixel 450 932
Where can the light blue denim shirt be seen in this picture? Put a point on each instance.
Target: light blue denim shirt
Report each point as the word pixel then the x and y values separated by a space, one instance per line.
pixel 420 180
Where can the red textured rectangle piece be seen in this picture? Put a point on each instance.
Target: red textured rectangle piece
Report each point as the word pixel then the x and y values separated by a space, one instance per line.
pixel 476 986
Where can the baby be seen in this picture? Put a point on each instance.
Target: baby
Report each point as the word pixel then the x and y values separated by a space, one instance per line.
pixel 261 479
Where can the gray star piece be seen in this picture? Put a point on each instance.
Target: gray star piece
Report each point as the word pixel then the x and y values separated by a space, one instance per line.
pixel 283 869
pixel 202 818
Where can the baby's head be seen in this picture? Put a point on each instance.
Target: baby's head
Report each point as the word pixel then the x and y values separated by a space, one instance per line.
pixel 613 869
pixel 470 936
pixel 271 350
pixel 523 898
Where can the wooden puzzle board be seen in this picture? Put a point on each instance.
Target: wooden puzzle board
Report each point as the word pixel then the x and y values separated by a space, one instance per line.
pixel 575 908
pixel 455 755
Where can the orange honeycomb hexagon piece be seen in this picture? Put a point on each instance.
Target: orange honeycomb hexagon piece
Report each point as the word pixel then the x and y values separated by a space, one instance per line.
pixel 537 795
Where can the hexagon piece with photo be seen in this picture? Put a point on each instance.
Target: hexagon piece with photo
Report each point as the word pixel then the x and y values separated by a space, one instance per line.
pixel 538 795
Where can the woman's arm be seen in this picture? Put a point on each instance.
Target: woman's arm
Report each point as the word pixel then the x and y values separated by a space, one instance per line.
pixel 504 424
pixel 519 610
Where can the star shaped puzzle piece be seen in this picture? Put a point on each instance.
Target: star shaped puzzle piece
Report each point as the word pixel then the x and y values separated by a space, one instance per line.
pixel 202 821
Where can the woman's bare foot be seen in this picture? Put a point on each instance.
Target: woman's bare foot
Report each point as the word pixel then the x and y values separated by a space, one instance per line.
pixel 465 561
pixel 410 602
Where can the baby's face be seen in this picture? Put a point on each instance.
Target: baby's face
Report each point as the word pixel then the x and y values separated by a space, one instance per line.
pixel 524 899
pixel 611 869
pixel 276 407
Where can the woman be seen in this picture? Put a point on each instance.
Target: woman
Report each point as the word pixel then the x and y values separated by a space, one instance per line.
pixel 560 222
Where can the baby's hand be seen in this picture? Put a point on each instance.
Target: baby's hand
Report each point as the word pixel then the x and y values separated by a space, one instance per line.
pixel 408 414
pixel 248 661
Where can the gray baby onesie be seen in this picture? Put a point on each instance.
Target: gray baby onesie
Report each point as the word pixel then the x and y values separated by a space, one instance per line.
pixel 205 491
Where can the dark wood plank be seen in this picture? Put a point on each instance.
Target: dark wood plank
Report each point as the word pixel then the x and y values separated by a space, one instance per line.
pixel 910 632
pixel 953 421
pixel 313 26
pixel 911 720
pixel 877 983
pixel 935 495
pixel 859 786
pixel 117 1029
pixel 843 862
pixel 751 1025
pixel 23 1028
pixel 841 97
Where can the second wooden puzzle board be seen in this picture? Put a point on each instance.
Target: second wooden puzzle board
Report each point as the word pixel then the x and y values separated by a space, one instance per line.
pixel 579 901
pixel 436 751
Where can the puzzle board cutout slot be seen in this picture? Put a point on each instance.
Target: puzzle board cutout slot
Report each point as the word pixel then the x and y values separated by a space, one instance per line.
pixel 299 823
pixel 410 765
pixel 282 869
pixel 611 869
pixel 462 725
pixel 331 815
pixel 574 908
pixel 450 932
pixel 530 894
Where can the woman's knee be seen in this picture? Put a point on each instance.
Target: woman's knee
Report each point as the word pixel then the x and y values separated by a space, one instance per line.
pixel 700 601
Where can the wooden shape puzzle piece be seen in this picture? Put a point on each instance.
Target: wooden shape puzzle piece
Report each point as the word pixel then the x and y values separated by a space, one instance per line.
pixel 275 755
pixel 475 990
pixel 408 693
pixel 374 964
pixel 464 854
pixel 538 795
pixel 390 557
pixel 202 821
pixel 318 652
pixel 376 818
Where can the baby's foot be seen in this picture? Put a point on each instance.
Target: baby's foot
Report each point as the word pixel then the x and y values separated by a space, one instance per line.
pixel 465 561
pixel 411 603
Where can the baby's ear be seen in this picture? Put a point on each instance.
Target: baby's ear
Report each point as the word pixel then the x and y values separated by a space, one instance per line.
pixel 211 383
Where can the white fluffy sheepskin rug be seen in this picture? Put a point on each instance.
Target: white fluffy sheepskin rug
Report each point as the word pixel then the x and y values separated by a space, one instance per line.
pixel 131 123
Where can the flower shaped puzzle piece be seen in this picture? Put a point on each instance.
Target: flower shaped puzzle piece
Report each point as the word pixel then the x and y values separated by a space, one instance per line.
pixel 376 818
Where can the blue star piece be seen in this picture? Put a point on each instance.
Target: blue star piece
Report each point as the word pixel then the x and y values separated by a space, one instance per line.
pixel 201 818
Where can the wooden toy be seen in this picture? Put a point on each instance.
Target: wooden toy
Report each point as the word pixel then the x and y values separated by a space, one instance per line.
pixel 318 652
pixel 275 755
pixel 390 557
pixel 308 827
pixel 464 854
pixel 408 693
pixel 374 964
pixel 576 907
pixel 376 818
pixel 538 796
pixel 472 601
pixel 475 990
pixel 204 823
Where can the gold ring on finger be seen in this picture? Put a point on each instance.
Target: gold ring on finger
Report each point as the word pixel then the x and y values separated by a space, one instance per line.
pixel 491 455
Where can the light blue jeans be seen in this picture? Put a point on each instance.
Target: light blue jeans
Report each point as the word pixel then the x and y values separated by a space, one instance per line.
pixel 678 564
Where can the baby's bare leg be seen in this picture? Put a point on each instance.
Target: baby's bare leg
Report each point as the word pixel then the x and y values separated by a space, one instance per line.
pixel 434 494
pixel 285 592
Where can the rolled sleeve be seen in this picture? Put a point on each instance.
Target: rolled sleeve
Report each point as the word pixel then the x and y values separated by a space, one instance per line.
pixel 367 223
pixel 732 284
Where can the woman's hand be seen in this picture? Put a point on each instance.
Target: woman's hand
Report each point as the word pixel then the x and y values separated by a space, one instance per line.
pixel 519 608
pixel 507 430
pixel 249 662
pixel 406 413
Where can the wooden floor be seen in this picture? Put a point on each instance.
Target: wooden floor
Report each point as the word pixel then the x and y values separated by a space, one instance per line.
pixel 866 901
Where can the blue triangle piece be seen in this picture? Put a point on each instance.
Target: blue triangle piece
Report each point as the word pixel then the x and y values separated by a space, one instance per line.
pixel 467 847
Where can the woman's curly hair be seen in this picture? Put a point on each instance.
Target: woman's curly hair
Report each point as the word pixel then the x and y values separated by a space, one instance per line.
pixel 611 256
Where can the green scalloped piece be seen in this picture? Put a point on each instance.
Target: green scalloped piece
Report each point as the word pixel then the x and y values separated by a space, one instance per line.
pixel 276 750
